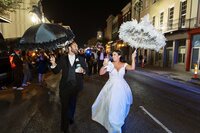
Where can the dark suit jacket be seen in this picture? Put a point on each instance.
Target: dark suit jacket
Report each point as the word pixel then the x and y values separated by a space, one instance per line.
pixel 99 54
pixel 63 64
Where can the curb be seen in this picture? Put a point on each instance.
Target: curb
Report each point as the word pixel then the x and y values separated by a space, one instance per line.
pixel 169 81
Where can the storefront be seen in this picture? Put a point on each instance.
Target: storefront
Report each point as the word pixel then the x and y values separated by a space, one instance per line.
pixel 195 58
pixel 180 54
pixel 168 54
pixel 159 58
pixel 193 53
pixel 4 20
pixel 174 55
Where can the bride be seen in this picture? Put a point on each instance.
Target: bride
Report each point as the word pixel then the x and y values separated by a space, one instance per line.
pixel 113 102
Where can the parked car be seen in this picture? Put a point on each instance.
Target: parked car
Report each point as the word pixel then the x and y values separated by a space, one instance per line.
pixel 5 67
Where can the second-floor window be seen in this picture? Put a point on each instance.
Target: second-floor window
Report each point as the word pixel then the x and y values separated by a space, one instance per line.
pixel 154 20
pixel 154 1
pixel 146 3
pixel 161 19
pixel 170 18
pixel 183 13
pixel 127 17
pixel 114 28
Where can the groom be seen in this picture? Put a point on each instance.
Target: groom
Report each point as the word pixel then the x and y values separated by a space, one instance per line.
pixel 73 67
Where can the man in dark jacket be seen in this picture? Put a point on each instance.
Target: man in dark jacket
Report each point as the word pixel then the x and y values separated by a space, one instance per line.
pixel 73 67
pixel 101 55
pixel 18 71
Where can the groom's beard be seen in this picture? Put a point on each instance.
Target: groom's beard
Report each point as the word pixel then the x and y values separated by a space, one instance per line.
pixel 75 51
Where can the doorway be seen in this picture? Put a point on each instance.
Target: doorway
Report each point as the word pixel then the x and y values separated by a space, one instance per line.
pixel 195 57
pixel 169 57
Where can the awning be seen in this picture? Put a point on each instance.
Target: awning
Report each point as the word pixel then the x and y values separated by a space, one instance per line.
pixel 4 20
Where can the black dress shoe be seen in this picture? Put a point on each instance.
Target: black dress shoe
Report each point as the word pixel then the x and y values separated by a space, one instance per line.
pixel 71 121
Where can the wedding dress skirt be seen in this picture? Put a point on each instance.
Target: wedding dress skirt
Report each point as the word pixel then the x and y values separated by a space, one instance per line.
pixel 113 102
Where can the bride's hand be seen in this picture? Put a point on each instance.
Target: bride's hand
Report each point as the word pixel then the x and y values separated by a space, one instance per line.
pixel 134 54
pixel 105 62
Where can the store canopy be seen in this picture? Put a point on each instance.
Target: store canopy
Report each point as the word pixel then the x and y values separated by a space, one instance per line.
pixel 4 20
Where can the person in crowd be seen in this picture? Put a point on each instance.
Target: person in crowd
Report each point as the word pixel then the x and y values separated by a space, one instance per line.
pixel 26 69
pixel 82 53
pixel 42 66
pixel 17 70
pixel 101 55
pixel 94 63
pixel 89 60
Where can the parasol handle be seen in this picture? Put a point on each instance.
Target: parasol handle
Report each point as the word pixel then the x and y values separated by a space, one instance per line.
pixel 134 49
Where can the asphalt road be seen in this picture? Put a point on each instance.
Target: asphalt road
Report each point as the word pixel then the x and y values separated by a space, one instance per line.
pixel 177 109
pixel 158 108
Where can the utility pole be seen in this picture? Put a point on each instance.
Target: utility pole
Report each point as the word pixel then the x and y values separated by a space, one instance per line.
pixel 41 10
pixel 137 7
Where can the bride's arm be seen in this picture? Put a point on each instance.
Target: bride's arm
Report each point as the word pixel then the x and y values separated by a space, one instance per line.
pixel 103 70
pixel 132 66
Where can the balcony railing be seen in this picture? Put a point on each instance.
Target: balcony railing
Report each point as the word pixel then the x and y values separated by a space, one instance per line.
pixel 180 24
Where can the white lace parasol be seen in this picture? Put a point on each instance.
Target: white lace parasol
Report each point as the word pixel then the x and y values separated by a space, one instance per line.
pixel 142 35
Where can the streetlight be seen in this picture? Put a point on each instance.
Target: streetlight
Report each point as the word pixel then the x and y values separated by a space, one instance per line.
pixel 34 18
pixel 39 14
pixel 41 10
pixel 138 5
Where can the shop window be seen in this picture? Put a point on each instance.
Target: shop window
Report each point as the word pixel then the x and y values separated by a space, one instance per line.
pixel 158 56
pixel 181 54
pixel 194 57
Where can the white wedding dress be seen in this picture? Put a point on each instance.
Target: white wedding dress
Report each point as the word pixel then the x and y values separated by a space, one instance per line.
pixel 113 102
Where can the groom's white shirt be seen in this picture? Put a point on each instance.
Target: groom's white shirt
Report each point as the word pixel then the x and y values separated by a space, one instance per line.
pixel 71 59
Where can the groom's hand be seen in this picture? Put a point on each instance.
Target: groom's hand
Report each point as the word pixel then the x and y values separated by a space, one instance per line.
pixel 81 70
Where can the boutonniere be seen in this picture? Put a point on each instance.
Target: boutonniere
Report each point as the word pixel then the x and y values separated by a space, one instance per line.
pixel 77 60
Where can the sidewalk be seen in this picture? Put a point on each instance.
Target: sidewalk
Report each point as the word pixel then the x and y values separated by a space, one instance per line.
pixel 182 76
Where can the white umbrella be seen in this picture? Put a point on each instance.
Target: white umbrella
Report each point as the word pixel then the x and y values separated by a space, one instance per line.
pixel 142 35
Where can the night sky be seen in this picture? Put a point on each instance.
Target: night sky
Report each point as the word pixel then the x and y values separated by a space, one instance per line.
pixel 84 17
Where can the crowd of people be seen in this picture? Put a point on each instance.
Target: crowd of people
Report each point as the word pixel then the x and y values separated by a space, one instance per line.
pixel 23 64
pixel 94 59
pixel 115 98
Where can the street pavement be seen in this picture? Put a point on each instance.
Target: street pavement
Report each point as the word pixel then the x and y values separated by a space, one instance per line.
pixel 36 109
pixel 17 107
pixel 83 122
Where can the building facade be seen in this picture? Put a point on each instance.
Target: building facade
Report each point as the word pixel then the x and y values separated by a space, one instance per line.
pixel 113 25
pixel 20 20
pixel 126 16
pixel 179 21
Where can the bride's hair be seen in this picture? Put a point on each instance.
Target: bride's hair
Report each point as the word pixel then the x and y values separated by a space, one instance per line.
pixel 119 52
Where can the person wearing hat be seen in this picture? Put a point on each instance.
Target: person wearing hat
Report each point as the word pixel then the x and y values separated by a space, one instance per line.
pixel 73 68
